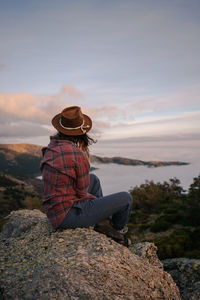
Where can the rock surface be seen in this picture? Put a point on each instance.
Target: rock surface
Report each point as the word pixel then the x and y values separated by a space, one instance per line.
pixel 186 274
pixel 38 263
pixel 148 251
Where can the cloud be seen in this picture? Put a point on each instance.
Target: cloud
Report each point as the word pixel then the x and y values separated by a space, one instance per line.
pixel 105 112
pixel 182 123
pixel 22 129
pixel 70 91
pixel 15 107
pixel 159 138
pixel 180 99
pixel 37 109
pixel 28 115
pixel 109 114
pixel 147 109
pixel 2 67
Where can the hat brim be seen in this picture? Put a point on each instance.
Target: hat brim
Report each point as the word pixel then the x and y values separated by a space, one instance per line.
pixel 56 124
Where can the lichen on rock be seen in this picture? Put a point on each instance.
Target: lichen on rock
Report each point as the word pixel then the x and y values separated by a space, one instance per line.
pixel 26 221
pixel 39 263
pixel 186 274
pixel 148 251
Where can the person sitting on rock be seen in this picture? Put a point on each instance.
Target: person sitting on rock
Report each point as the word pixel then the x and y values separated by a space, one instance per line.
pixel 72 198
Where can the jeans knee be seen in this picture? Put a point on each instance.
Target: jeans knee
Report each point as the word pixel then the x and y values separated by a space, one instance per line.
pixel 94 179
pixel 128 198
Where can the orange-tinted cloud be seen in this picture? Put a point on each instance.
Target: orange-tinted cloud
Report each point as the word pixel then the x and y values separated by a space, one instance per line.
pixel 22 129
pixel 38 109
pixel 2 67
pixel 20 107
pixel 30 115
pixel 25 114
pixel 70 91
pixel 184 98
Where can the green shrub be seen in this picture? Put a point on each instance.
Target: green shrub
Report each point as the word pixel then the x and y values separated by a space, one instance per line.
pixel 192 217
pixel 31 202
pixel 170 210
pixel 171 218
pixel 160 225
pixel 172 206
pixel 138 217
pixel 154 197
pixel 6 182
pixel 195 237
pixel 144 227
pixel 175 245
pixel 194 192
pixel 193 254
pixel 164 222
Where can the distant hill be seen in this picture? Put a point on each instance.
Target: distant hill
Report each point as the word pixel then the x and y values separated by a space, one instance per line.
pixel 17 194
pixel 24 159
pixel 20 159
pixel 135 162
pixel 23 148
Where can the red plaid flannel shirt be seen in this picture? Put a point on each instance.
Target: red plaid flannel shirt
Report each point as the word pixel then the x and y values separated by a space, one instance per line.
pixel 65 175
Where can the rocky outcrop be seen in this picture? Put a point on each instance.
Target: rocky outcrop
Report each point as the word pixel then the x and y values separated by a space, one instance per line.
pixel 134 162
pixel 38 263
pixel 148 251
pixel 186 274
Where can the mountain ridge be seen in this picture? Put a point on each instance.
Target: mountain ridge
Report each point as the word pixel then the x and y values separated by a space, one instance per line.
pixel 15 158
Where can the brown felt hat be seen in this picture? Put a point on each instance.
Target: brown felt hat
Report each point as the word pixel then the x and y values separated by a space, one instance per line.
pixel 71 121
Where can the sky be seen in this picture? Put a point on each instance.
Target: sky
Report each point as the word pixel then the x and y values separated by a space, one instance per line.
pixel 132 65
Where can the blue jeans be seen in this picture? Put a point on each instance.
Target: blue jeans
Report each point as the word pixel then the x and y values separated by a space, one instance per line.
pixel 87 213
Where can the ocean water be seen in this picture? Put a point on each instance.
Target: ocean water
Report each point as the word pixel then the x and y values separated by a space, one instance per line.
pixel 116 178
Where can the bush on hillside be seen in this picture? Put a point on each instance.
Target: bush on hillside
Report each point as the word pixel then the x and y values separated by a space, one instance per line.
pixel 175 245
pixel 6 182
pixel 154 197
pixel 194 192
pixel 158 207
pixel 14 196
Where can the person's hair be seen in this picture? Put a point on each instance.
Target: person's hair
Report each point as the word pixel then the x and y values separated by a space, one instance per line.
pixel 82 141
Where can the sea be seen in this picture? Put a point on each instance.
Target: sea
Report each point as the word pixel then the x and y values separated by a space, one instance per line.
pixel 115 178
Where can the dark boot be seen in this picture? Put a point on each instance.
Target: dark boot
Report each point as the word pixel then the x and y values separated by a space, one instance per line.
pixel 106 228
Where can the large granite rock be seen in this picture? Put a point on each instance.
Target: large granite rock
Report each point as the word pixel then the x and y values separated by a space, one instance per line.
pixel 148 251
pixel 186 274
pixel 38 263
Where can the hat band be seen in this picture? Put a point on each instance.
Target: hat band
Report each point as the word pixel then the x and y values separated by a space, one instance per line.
pixel 78 127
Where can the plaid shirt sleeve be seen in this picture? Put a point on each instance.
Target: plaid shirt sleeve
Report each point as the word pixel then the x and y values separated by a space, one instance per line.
pixel 82 176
